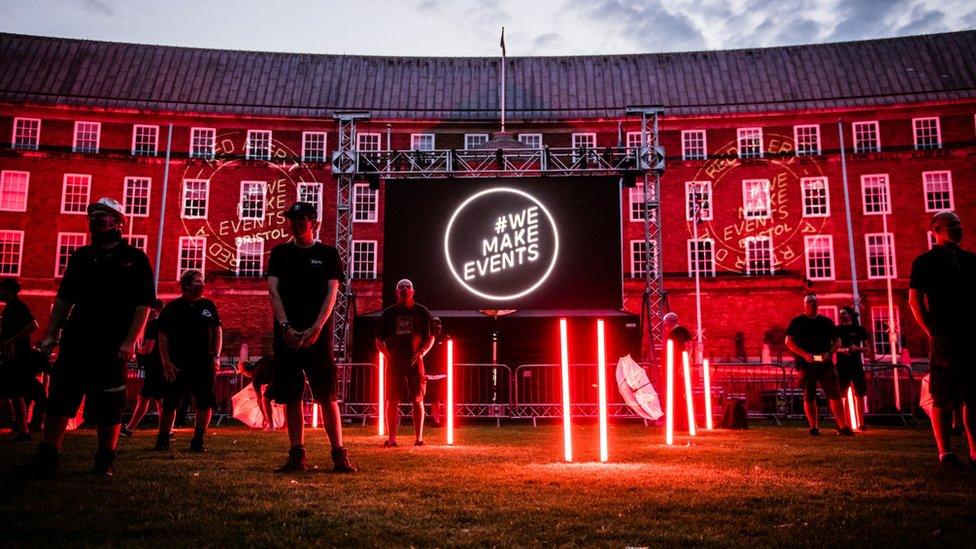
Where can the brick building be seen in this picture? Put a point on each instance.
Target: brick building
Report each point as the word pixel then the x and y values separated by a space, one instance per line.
pixel 222 141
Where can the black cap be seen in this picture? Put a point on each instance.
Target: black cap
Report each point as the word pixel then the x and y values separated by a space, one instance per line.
pixel 302 209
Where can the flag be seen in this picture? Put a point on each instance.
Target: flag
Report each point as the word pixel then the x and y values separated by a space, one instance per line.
pixel 503 42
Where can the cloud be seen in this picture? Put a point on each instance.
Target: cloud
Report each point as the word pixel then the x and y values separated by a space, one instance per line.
pixel 648 25
pixel 923 21
pixel 550 40
pixel 98 7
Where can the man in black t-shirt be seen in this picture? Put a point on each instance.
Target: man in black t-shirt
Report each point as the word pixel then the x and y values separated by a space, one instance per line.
pixel 811 339
pixel 850 366
pixel 102 305
pixel 943 299
pixel 190 339
pixel 304 277
pixel 16 325
pixel 153 384
pixel 404 337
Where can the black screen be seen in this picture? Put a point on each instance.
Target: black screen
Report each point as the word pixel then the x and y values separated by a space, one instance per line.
pixel 512 243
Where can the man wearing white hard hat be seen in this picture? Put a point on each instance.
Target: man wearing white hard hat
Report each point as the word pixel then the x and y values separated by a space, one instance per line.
pixel 98 313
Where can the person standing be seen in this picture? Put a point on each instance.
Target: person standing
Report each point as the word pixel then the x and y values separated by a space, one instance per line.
pixel 16 325
pixel 850 366
pixel 153 384
pixel 812 340
pixel 304 277
pixel 102 305
pixel 942 296
pixel 190 339
pixel 404 337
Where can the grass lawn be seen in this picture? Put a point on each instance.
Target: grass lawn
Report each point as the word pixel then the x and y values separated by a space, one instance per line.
pixel 766 486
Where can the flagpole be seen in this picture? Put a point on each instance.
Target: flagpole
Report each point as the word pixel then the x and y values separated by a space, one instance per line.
pixel 503 79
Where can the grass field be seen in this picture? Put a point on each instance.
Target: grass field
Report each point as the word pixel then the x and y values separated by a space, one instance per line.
pixel 503 487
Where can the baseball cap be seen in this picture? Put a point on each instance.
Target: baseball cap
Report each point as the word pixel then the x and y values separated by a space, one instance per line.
pixel 109 205
pixel 302 209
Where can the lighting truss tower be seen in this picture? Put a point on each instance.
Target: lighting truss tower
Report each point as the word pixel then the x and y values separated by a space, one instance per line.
pixel 344 169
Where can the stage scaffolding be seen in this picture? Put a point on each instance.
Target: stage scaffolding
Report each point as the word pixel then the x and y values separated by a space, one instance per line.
pixel 639 165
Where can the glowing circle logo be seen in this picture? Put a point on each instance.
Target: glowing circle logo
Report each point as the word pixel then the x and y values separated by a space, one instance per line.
pixel 501 244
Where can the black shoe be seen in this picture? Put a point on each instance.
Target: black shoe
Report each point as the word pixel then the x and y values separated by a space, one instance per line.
pixel 845 432
pixel 296 461
pixel 340 461
pixel 950 461
pixel 862 428
pixel 196 445
pixel 814 432
pixel 419 443
pixel 103 463
pixel 42 465
pixel 390 444
pixel 125 432
pixel 162 444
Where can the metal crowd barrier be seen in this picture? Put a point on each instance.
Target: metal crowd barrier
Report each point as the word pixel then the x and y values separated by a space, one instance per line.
pixel 538 392
pixel 764 387
pixel 881 391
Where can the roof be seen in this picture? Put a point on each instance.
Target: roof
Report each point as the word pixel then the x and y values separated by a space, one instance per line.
pixel 932 67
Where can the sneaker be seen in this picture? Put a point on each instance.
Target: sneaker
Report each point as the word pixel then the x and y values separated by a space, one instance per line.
pixel 296 461
pixel 390 444
pixel 814 432
pixel 845 432
pixel 862 428
pixel 196 445
pixel 340 461
pixel 124 431
pixel 419 443
pixel 42 465
pixel 103 463
pixel 162 444
pixel 950 461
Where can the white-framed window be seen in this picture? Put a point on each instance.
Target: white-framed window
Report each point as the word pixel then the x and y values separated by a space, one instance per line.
pixel 369 142
pixel 701 257
pixel 193 254
pixel 807 139
pixel 867 136
pixel 313 146
pixel 880 255
pixel 583 141
pixel 145 140
pixel 365 203
pixel 633 140
pixel 938 191
pixel 880 327
pixel 135 197
pixel 928 134
pixel 364 259
pixel 311 192
pixel 750 142
pixel 636 201
pixel 75 193
pixel 11 252
pixel 759 255
pixel 756 200
pixel 14 186
pixel 638 259
pixel 875 194
pixel 250 257
pixel 693 145
pixel 815 193
pixel 533 140
pixel 67 244
pixel 475 140
pixel 196 195
pixel 421 142
pixel 203 143
pixel 26 134
pixel 930 239
pixel 139 241
pixel 819 252
pixel 830 311
pixel 258 146
pixel 253 195
pixel 87 137
pixel 698 197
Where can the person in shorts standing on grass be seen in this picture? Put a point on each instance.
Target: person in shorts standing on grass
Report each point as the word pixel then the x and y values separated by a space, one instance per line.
pixel 16 325
pixel 304 277
pixel 812 340
pixel 850 365
pixel 404 337
pixel 102 305
pixel 190 339
pixel 943 299
pixel 153 384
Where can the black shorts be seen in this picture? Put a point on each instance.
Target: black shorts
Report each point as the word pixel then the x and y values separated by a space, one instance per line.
pixel 153 384
pixel 406 382
pixel 198 381
pixel 852 375
pixel 97 376
pixel 825 375
pixel 293 366
pixel 952 380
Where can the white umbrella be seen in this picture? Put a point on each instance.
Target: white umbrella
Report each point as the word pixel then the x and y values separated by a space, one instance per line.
pixel 246 409
pixel 636 389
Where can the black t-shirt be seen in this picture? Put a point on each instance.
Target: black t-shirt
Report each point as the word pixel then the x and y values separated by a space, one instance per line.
pixel 151 362
pixel 851 335
pixel 105 287
pixel 15 317
pixel 946 275
pixel 435 363
pixel 404 330
pixel 303 279
pixel 190 327
pixel 814 335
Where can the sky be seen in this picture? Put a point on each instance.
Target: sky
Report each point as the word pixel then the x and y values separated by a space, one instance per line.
pixel 472 27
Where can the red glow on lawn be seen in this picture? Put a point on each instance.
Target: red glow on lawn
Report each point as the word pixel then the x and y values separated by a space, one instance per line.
pixel 852 406
pixel 601 362
pixel 685 362
pixel 564 363
pixel 381 398
pixel 450 392
pixel 669 412
pixel 707 378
